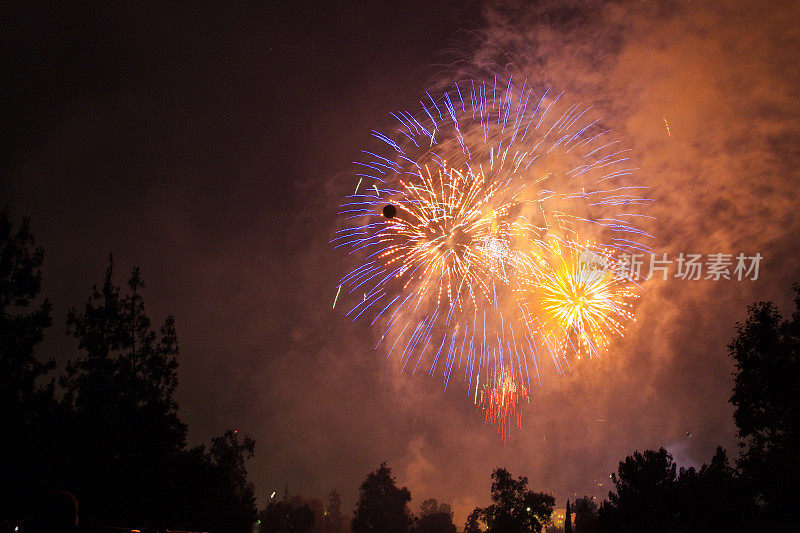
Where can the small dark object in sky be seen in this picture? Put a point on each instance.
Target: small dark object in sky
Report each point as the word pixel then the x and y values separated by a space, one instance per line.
pixel 389 211
pixel 689 434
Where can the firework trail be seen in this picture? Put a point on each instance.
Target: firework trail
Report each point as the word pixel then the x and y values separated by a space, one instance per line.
pixel 500 402
pixel 467 223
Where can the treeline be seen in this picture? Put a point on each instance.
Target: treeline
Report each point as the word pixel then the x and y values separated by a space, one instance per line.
pixel 104 434
pixel 758 491
pixel 382 506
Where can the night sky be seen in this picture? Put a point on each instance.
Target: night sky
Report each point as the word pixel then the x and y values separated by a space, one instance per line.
pixel 212 147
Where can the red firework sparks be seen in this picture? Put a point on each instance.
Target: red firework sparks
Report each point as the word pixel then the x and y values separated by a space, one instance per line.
pixel 501 401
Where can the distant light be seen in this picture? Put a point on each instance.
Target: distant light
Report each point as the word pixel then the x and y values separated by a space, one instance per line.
pixel 272 495
pixel 528 509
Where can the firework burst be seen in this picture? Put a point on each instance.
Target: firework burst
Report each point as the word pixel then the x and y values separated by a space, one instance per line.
pixel 465 224
pixel 500 402
pixel 585 297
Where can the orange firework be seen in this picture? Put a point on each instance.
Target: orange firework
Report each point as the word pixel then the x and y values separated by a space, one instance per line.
pixel 461 223
pixel 585 298
pixel 453 238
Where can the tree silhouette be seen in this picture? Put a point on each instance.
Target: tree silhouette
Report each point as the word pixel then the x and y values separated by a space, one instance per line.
pixel 762 491
pixel 234 500
pixel 585 510
pixel 651 496
pixel 514 508
pixel 334 521
pixel 208 490
pixel 114 439
pixel 291 514
pixel 766 351
pixel 126 428
pixel 715 498
pixel 381 504
pixel 646 497
pixel 125 361
pixel 568 519
pixel 475 521
pixel 21 325
pixel 435 518
pixel 26 407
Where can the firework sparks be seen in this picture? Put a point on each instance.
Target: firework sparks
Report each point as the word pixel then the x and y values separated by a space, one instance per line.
pixel 500 402
pixel 486 188
pixel 586 299
pixel 338 290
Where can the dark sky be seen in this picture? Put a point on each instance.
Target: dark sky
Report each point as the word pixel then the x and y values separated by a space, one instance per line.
pixel 212 145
